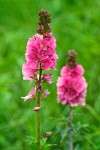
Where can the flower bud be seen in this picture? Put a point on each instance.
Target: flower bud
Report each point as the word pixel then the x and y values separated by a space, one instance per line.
pixel 30 95
pixel 39 22
pixel 48 78
pixel 44 95
pixel 47 134
pixel 72 58
pixel 49 20
pixel 44 20
pixel 36 108
pixel 39 88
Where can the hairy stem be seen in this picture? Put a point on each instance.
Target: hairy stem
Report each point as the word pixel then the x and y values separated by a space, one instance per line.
pixel 38 112
pixel 70 141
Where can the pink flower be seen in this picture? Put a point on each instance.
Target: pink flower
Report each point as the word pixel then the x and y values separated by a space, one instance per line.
pixel 47 78
pixel 74 72
pixel 28 72
pixel 71 89
pixel 32 55
pixel 44 53
pixel 46 64
pixel 80 99
pixel 30 95
pixel 49 40
pixel 45 94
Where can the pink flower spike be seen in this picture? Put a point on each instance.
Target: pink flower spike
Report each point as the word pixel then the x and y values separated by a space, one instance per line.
pixel 48 78
pixel 30 95
pixel 71 85
pixel 44 95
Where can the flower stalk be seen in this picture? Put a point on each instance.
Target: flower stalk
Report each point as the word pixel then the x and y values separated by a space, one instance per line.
pixel 70 129
pixel 38 113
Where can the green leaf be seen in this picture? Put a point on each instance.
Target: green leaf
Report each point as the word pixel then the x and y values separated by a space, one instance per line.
pixel 30 140
pixel 49 145
pixel 43 142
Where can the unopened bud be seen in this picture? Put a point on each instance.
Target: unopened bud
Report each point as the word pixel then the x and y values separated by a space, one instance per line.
pixel 49 30
pixel 44 20
pixel 38 30
pixel 47 78
pixel 45 94
pixel 49 20
pixel 39 22
pixel 39 88
pixel 72 58
pixel 47 134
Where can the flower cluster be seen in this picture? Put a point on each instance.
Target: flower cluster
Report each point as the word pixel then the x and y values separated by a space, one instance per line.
pixel 71 85
pixel 39 49
pixel 44 20
pixel 40 55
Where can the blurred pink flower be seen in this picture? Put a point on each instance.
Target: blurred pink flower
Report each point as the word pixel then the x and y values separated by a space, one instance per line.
pixel 71 86
pixel 30 95
pixel 74 72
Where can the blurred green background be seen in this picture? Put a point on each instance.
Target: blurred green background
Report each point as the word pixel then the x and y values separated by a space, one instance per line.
pixel 75 25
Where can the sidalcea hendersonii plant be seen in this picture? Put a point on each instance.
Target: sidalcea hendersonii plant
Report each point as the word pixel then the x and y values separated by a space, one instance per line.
pixel 40 55
pixel 71 88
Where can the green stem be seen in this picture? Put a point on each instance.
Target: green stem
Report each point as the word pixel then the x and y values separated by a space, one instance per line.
pixel 38 112
pixel 70 141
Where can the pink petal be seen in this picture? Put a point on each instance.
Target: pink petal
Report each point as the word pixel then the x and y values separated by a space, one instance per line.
pixel 46 64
